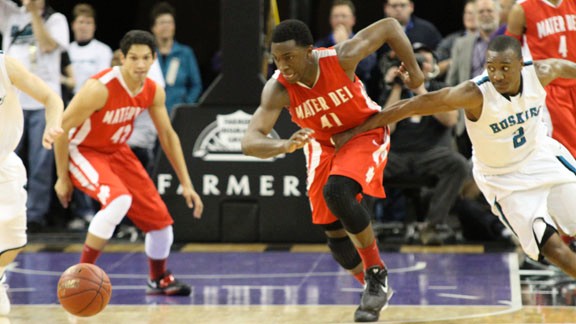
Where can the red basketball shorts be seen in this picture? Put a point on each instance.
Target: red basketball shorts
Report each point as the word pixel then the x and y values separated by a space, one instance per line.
pixel 561 104
pixel 106 176
pixel 363 159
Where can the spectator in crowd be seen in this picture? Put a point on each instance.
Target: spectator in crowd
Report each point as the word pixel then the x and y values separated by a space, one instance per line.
pixel 35 35
pixel 505 8
pixel 417 29
pixel 468 59
pixel 177 61
pixel 468 52
pixel 342 20
pixel 87 54
pixel 423 146
pixel 444 49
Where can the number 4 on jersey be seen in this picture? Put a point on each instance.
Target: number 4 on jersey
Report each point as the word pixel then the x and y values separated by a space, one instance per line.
pixel 325 119
pixel 562 48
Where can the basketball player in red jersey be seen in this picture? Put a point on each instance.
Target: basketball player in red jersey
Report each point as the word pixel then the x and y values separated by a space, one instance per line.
pixel 549 27
pixel 98 161
pixel 324 97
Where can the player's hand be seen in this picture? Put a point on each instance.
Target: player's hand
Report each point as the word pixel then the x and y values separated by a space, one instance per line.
pixel 50 135
pixel 338 140
pixel 31 6
pixel 298 140
pixel 193 200
pixel 64 189
pixel 340 34
pixel 412 79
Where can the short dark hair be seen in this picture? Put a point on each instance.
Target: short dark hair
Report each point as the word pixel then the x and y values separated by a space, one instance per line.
pixel 292 29
pixel 161 8
pixel 503 43
pixel 348 3
pixel 137 37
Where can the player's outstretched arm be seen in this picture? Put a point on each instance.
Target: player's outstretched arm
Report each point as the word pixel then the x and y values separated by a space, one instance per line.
pixel 256 141
pixel 39 90
pixel 550 69
pixel 371 38
pixel 465 95
pixel 171 145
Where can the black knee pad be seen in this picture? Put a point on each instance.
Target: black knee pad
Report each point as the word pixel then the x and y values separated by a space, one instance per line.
pixel 337 225
pixel 340 195
pixel 344 252
pixel 548 232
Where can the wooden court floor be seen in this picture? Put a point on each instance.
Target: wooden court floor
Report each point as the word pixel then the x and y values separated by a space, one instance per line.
pixel 455 284
pixel 164 314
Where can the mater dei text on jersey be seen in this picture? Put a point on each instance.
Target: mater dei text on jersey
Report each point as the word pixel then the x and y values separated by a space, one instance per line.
pixel 311 107
pixel 121 115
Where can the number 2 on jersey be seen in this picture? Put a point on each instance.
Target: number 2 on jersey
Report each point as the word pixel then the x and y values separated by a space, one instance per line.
pixel 519 138
pixel 121 134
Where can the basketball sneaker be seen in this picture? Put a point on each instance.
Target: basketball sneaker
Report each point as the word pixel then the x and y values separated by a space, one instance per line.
pixel 375 297
pixel 4 301
pixel 168 285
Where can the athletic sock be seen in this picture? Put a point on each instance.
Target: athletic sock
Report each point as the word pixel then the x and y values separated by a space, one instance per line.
pixel 371 256
pixel 157 268
pixel 360 277
pixel 89 255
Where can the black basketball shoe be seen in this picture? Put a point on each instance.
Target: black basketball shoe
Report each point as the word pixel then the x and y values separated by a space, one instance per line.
pixel 168 285
pixel 376 295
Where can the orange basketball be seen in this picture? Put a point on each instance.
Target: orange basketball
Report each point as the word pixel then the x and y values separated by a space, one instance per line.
pixel 84 289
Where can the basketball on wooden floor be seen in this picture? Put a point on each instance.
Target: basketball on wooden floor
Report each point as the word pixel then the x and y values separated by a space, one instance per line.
pixel 84 290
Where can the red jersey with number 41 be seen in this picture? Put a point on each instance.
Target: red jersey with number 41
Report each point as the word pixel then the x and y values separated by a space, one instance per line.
pixel 551 31
pixel 112 125
pixel 333 104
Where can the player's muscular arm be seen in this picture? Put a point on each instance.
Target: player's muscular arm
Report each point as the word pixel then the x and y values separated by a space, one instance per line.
pixel 371 38
pixel 91 97
pixel 516 22
pixel 256 141
pixel 447 118
pixel 466 95
pixel 550 69
pixel 170 143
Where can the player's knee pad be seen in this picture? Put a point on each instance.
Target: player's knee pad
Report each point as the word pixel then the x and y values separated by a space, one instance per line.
pixel 157 243
pixel 542 232
pixel 344 252
pixel 340 196
pixel 106 220
pixel 13 232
